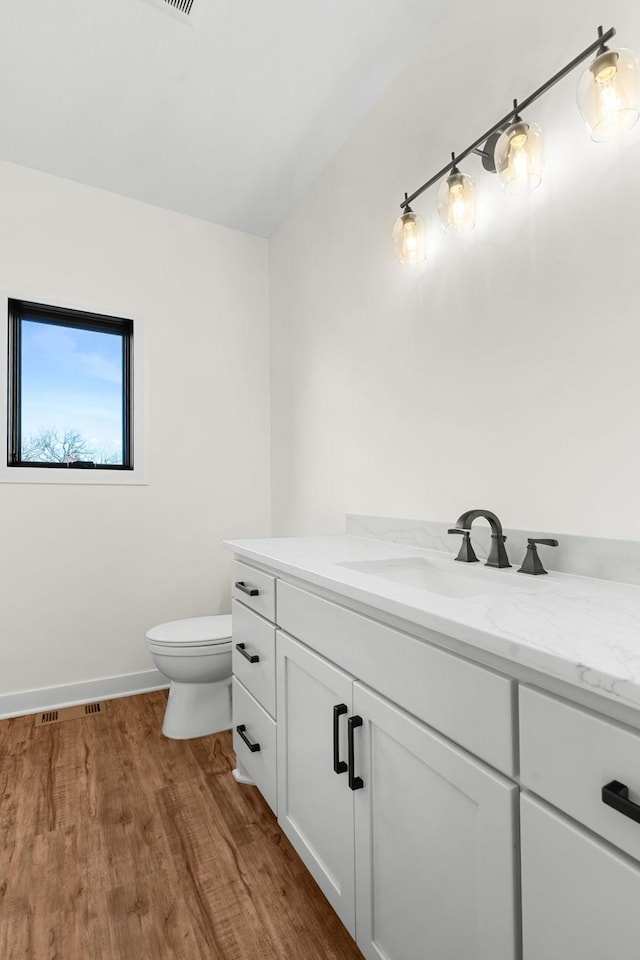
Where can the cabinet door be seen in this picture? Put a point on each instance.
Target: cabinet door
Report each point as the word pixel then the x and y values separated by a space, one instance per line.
pixel 435 844
pixel 315 805
pixel 579 897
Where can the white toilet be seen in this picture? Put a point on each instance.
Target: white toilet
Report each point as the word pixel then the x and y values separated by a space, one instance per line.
pixel 195 654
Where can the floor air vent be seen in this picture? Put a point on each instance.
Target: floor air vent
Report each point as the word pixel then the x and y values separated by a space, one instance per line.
pixel 49 717
pixel 69 713
pixel 181 9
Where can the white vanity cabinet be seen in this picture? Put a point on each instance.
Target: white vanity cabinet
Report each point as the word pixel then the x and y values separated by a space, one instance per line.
pixel 448 810
pixel 410 838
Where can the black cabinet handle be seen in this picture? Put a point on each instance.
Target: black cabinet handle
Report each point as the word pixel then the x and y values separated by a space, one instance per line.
pixel 250 591
pixel 355 783
pixel 254 747
pixel 616 795
pixel 251 657
pixel 339 766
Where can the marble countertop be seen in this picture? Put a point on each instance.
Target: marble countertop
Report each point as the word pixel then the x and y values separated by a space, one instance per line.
pixel 577 629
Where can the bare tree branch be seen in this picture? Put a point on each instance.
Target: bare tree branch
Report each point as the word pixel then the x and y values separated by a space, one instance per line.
pixel 52 446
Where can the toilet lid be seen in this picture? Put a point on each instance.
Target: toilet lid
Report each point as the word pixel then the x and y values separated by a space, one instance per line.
pixel 194 630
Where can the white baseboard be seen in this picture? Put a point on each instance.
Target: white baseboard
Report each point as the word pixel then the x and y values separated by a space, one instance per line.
pixel 72 694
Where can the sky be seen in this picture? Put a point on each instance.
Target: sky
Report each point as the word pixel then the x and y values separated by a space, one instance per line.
pixel 72 379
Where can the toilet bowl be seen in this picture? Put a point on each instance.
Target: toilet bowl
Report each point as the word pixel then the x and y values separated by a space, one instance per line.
pixel 195 655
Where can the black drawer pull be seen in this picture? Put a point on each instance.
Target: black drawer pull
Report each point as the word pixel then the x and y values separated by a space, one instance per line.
pixel 616 795
pixel 254 747
pixel 251 657
pixel 355 783
pixel 339 766
pixel 250 591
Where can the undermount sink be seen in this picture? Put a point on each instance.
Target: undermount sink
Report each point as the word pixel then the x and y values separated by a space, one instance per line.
pixel 445 577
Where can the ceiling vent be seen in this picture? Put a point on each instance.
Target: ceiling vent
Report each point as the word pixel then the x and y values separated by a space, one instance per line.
pixel 180 9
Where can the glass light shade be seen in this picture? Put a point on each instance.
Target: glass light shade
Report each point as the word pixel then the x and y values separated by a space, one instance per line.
pixel 408 238
pixel 609 94
pixel 457 204
pixel 519 157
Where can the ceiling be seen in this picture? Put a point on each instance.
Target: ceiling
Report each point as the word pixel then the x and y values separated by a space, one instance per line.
pixel 230 118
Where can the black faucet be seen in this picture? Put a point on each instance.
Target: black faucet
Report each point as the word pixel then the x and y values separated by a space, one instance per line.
pixel 497 554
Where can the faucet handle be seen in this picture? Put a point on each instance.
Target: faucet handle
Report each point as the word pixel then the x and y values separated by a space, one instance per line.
pixel 532 563
pixel 466 553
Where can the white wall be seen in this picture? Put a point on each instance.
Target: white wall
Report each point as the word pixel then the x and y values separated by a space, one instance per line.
pixel 504 372
pixel 85 570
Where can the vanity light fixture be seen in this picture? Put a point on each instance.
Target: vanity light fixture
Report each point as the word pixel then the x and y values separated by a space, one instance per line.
pixel 609 99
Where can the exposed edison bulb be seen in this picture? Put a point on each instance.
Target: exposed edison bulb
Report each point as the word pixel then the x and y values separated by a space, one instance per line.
pixel 519 157
pixel 457 203
pixel 609 94
pixel 408 238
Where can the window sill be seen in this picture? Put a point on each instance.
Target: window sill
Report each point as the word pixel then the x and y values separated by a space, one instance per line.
pixel 91 478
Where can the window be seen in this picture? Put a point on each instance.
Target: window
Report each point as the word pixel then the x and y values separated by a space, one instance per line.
pixel 70 389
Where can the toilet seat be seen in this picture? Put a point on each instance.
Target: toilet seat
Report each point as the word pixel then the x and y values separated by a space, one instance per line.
pixel 192 632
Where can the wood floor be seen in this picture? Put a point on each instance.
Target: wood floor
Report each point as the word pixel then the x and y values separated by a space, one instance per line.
pixel 118 844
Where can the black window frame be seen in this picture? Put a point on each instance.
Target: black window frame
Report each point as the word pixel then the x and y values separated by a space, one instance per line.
pixel 20 310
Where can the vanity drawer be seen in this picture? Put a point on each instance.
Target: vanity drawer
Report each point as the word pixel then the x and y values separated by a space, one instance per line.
pixel 258 728
pixel 567 755
pixel 254 639
pixel 255 589
pixel 579 896
pixel 473 706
